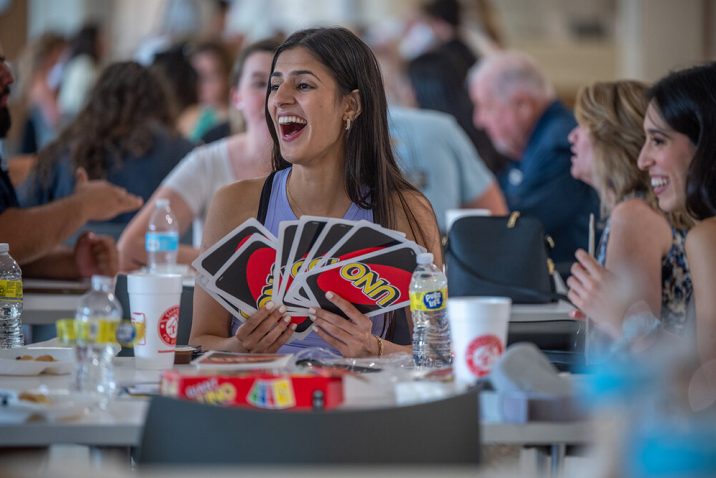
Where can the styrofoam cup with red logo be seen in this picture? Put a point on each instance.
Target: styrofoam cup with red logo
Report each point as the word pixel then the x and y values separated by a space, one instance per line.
pixel 478 330
pixel 154 302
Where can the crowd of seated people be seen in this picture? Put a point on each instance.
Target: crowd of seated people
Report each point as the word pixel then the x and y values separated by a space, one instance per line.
pixel 641 152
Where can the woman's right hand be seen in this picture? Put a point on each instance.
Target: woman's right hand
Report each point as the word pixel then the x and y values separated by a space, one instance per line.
pixel 266 330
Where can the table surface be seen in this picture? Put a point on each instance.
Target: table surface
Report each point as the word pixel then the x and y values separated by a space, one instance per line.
pixel 45 301
pixel 121 424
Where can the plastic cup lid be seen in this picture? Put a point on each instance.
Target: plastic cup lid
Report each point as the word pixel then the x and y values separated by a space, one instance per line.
pixel 146 283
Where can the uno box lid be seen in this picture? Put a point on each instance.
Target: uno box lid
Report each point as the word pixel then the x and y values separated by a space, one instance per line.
pixel 257 389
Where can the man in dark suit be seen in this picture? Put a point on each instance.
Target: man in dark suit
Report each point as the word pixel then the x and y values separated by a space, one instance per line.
pixel 519 109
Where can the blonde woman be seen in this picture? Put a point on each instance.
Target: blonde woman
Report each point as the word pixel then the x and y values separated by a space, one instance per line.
pixel 641 258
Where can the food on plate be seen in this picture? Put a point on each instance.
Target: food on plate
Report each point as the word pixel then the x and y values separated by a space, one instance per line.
pixel 33 397
pixel 39 358
pixel 45 358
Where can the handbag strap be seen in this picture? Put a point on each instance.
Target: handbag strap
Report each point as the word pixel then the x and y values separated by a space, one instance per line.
pixel 525 291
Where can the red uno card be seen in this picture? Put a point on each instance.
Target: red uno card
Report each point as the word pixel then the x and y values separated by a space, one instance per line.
pixel 246 279
pixel 374 283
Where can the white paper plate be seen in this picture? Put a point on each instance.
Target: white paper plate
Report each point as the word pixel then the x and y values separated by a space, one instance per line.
pixel 63 364
pixel 62 405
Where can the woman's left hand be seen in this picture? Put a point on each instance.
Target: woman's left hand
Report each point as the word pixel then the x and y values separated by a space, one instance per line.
pixel 352 337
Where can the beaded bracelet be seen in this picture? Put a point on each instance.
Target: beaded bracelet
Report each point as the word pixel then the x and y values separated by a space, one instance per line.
pixel 380 345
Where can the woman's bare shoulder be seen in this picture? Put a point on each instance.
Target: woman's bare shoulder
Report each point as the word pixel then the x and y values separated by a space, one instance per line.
pixel 232 205
pixel 639 221
pixel 422 210
pixel 702 237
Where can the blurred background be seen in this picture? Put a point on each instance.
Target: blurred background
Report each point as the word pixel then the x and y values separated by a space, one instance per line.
pixel 575 41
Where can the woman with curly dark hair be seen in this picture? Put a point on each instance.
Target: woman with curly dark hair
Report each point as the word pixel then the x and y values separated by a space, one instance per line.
pixel 124 134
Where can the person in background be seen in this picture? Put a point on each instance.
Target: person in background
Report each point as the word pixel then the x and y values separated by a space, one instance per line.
pixel 437 157
pixel 679 155
pixel 124 134
pixel 81 69
pixel 175 72
pixel 192 184
pixel 212 62
pixel 641 247
pixel 518 108
pixel 35 234
pixel 327 114
pixel 444 17
pixel 41 72
pixel 439 84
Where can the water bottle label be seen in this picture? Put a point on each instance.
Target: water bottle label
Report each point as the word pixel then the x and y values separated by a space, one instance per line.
pixel 428 301
pixel 161 242
pixel 11 290
pixel 124 332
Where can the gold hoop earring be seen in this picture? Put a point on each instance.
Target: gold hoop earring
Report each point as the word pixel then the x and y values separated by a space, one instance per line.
pixel 348 124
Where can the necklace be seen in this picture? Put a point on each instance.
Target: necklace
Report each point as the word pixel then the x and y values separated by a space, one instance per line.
pixel 291 201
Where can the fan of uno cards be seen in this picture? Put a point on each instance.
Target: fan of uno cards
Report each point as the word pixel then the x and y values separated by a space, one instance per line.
pixel 364 263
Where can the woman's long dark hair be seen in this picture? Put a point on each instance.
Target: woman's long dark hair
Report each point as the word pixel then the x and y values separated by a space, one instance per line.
pixel 120 117
pixel 686 100
pixel 369 158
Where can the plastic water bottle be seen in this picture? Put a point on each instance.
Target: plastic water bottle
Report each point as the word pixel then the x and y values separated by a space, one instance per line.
pixel 10 300
pixel 428 306
pixel 162 239
pixel 98 315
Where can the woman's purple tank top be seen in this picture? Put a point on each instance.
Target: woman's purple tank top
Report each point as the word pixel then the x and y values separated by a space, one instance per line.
pixel 280 210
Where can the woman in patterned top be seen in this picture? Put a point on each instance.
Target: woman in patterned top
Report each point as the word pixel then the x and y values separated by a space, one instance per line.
pixel 641 249
pixel 680 156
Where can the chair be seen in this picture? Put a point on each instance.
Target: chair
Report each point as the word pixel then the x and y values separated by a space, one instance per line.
pixel 186 307
pixel 185 432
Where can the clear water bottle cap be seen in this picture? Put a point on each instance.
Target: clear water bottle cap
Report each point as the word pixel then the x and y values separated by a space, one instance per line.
pixel 425 258
pixel 161 203
pixel 4 247
pixel 101 282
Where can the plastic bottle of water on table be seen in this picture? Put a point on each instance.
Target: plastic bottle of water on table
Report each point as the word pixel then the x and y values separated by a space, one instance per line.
pixel 98 315
pixel 428 307
pixel 10 300
pixel 162 239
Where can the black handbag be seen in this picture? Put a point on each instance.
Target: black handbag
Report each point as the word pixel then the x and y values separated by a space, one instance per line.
pixel 503 256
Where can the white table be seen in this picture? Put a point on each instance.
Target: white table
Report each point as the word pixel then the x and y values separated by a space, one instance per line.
pixel 121 424
pixel 46 301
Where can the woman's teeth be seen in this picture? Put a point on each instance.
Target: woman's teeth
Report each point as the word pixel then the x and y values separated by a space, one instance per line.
pixel 659 182
pixel 291 119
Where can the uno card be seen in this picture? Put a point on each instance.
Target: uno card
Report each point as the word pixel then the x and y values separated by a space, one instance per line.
pixel 333 232
pixel 240 313
pixel 364 237
pixel 374 283
pixel 286 233
pixel 309 230
pixel 246 279
pixel 214 258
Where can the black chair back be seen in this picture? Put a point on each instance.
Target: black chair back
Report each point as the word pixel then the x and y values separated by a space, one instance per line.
pixel 184 432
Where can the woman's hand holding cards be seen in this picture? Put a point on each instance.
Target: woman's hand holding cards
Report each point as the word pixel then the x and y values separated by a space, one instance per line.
pixel 353 337
pixel 266 330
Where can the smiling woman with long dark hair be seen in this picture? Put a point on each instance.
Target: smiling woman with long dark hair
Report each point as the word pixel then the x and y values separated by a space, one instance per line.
pixel 327 113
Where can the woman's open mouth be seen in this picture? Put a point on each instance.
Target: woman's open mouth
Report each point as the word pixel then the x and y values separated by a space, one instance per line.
pixel 659 184
pixel 291 127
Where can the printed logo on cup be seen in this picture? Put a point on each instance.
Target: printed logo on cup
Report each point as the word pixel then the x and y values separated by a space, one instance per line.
pixel 482 352
pixel 168 325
